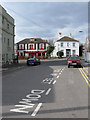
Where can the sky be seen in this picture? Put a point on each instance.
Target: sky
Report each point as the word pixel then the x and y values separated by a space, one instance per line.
pixel 46 19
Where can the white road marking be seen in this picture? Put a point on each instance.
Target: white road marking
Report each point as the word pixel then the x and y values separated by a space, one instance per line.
pixel 54 82
pixel 48 91
pixel 50 82
pixel 59 73
pixel 3 69
pixel 37 109
pixel 53 74
pixel 58 76
pixel 57 70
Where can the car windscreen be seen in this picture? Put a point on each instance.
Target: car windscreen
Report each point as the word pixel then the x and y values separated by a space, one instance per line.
pixel 74 57
pixel 31 59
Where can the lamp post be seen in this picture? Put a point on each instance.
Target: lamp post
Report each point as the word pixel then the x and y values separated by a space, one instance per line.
pixel 85 51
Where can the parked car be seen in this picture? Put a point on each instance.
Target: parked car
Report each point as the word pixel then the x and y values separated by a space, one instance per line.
pixel 33 61
pixel 74 60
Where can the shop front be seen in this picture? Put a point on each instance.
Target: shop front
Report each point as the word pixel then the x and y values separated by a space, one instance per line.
pixel 41 55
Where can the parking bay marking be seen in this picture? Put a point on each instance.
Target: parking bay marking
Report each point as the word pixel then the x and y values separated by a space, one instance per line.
pixel 54 82
pixel 48 91
pixel 48 80
pixel 53 74
pixel 57 76
pixel 36 110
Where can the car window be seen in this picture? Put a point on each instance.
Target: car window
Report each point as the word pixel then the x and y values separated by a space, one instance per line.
pixel 74 57
pixel 31 59
pixel 37 59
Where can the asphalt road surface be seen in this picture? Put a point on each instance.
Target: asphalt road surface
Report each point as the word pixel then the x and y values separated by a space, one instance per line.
pixel 49 90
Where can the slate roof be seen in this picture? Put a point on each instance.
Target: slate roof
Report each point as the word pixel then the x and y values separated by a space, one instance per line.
pixel 36 40
pixel 67 39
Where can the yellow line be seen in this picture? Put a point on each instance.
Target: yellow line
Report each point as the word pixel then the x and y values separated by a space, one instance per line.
pixel 85 74
pixel 84 77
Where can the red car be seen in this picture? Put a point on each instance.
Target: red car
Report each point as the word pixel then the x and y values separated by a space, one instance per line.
pixel 74 60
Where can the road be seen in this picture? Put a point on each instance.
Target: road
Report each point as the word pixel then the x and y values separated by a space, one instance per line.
pixel 49 90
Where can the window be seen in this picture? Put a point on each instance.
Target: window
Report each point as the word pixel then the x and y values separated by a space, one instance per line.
pixel 41 46
pixel 31 47
pixel 7 26
pixel 73 51
pixel 13 29
pixel 2 19
pixel 67 44
pixel 21 46
pixel 8 42
pixel 61 44
pixel 73 44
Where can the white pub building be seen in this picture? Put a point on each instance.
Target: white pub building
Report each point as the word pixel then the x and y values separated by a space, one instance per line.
pixel 68 45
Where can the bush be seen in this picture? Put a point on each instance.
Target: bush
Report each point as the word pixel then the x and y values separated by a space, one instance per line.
pixel 60 54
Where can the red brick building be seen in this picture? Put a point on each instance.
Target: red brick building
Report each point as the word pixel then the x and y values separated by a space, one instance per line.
pixel 32 47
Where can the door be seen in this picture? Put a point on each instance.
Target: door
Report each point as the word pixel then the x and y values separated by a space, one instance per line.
pixel 68 52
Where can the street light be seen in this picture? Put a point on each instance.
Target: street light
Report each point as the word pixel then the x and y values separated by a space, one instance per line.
pixel 81 31
pixel 85 51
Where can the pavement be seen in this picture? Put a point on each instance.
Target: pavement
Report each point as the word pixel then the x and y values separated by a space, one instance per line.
pixel 85 64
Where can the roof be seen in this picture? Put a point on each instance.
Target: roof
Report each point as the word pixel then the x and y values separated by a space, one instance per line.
pixel 32 40
pixel 66 39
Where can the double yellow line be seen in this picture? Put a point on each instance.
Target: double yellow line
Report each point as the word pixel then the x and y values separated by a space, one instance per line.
pixel 84 76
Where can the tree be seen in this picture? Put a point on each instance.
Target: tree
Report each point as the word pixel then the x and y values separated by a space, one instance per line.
pixel 51 41
pixel 60 54
pixel 50 50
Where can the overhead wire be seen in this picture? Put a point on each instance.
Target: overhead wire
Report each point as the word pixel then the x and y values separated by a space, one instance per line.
pixel 29 20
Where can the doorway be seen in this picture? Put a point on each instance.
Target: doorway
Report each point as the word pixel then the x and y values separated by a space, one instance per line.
pixel 68 52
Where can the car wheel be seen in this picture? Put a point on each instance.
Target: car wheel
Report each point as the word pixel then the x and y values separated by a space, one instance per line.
pixel 27 64
pixel 68 66
pixel 39 63
pixel 81 66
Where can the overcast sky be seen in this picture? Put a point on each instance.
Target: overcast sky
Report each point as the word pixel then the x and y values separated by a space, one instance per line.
pixel 46 19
